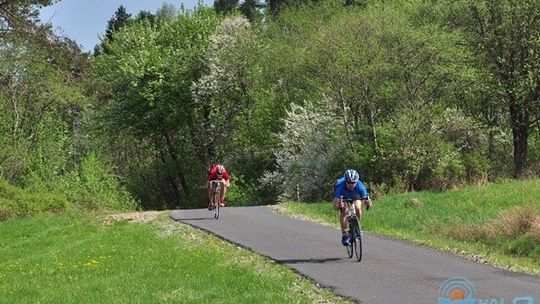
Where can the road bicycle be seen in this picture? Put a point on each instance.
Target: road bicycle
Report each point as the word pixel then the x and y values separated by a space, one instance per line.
pixel 215 185
pixel 355 234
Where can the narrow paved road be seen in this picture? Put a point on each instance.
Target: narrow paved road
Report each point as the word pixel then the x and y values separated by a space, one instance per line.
pixel 391 271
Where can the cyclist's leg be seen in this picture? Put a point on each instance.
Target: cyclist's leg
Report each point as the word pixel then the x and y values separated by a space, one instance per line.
pixel 209 190
pixel 223 192
pixel 345 236
pixel 358 206
pixel 343 219
pixel 342 214
pixel 210 195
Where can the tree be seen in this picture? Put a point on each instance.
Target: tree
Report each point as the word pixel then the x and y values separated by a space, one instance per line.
pixel 146 15
pixel 41 96
pixel 19 18
pixel 119 20
pixel 146 80
pixel 250 9
pixel 506 36
pixel 166 11
pixel 238 116
pixel 20 15
pixel 309 146
pixel 387 72
pixel 224 91
pixel 225 6
pixel 275 6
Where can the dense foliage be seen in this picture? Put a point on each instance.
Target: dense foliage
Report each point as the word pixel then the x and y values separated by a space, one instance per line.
pixel 415 95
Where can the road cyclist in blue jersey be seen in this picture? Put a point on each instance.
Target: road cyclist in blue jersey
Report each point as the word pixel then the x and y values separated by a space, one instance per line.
pixel 349 186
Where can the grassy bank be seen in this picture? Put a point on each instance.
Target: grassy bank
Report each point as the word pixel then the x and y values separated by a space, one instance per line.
pixel 136 259
pixel 497 223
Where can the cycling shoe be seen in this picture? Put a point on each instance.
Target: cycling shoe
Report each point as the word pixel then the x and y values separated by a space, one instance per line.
pixel 346 240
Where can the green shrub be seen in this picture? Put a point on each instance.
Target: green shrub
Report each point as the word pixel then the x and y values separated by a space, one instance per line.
pixel 477 167
pixel 16 202
pixel 240 193
pixel 95 187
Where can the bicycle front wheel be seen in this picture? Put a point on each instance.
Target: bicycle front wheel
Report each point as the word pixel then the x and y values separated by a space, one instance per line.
pixel 350 250
pixel 356 241
pixel 350 247
pixel 216 211
pixel 216 205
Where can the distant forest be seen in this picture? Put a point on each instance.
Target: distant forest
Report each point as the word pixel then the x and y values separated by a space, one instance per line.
pixel 415 95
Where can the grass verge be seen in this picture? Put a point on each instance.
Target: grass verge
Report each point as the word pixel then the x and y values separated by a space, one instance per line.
pixel 137 258
pixel 498 223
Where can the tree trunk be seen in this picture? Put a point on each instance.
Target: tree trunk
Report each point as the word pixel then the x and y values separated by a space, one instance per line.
pixel 520 150
pixel 344 116
pixel 171 180
pixel 491 144
pixel 174 157
pixel 371 123
pixel 520 133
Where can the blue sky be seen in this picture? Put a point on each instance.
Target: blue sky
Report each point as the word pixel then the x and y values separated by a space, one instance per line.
pixel 86 20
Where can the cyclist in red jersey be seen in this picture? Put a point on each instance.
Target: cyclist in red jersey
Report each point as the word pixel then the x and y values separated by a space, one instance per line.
pixel 218 172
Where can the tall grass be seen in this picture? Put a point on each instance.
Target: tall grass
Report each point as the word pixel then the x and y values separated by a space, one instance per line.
pixel 84 259
pixel 498 221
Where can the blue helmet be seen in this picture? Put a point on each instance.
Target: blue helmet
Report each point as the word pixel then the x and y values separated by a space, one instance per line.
pixel 351 176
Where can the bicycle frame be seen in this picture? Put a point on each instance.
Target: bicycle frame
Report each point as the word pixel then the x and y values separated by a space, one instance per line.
pixel 215 185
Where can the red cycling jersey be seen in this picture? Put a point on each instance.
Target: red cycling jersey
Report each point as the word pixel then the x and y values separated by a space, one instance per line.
pixel 212 174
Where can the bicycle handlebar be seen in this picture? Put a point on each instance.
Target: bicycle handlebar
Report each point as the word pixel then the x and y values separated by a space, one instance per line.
pixel 350 200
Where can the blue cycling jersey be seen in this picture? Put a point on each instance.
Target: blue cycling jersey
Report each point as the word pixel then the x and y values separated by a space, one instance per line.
pixel 340 189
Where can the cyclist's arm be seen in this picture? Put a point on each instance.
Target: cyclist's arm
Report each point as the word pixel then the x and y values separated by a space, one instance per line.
pixel 226 179
pixel 339 186
pixel 362 190
pixel 209 178
pixel 364 195
pixel 338 191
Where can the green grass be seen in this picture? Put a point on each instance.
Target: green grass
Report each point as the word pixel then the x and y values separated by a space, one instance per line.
pixel 84 259
pixel 498 223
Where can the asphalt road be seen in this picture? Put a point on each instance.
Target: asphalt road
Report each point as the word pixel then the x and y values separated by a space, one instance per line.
pixel 391 271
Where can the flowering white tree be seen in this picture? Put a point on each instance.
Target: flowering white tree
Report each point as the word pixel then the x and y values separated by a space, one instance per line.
pixel 223 93
pixel 308 150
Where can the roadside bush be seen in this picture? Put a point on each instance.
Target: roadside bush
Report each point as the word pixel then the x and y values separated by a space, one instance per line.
pixel 16 202
pixel 240 193
pixel 435 149
pixel 94 187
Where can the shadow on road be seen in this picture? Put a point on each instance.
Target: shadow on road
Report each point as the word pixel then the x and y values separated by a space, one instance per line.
pixel 194 219
pixel 315 261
